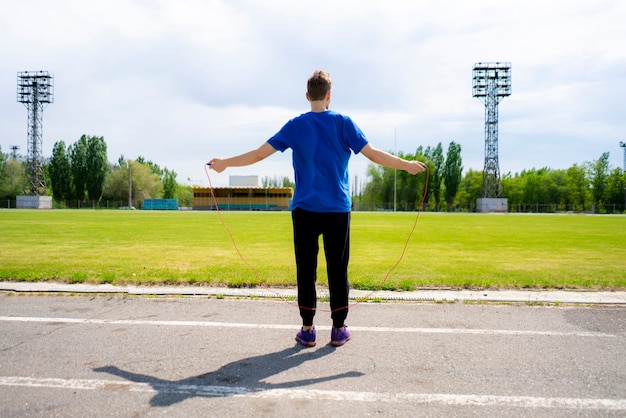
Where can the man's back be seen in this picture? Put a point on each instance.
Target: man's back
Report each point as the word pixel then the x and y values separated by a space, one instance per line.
pixel 322 143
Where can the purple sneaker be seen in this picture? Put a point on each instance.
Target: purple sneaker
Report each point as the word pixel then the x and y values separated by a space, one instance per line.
pixel 306 338
pixel 339 336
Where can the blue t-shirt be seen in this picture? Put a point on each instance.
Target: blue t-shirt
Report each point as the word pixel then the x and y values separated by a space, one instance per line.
pixel 321 143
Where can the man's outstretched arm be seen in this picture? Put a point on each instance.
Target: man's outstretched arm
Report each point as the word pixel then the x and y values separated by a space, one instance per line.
pixel 384 158
pixel 247 158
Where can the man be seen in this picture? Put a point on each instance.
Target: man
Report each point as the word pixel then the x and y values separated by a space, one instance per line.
pixel 322 142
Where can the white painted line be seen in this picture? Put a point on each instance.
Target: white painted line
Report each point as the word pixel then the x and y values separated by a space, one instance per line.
pixel 314 394
pixel 474 331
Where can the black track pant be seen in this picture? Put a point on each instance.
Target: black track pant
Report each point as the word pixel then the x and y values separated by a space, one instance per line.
pixel 335 230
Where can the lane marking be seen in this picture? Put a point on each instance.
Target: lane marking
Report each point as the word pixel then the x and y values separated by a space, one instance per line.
pixel 315 394
pixel 475 331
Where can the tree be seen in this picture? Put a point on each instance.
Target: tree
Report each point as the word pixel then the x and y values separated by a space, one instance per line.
pixel 170 186
pixel 531 186
pixel 404 185
pixel 14 180
pixel 556 187
pixel 153 166
pixel 379 189
pixel 78 159
pixel 276 181
pixel 60 173
pixel 436 173
pixel 616 189
pixel 97 167
pixel 600 173
pixel 512 188
pixel 452 173
pixel 288 183
pixel 89 167
pixel 117 185
pixel 546 188
pixel 267 181
pixel 166 176
pixel 184 195
pixel 2 163
pixel 144 183
pixel 578 185
pixel 394 188
pixel 2 173
pixel 470 189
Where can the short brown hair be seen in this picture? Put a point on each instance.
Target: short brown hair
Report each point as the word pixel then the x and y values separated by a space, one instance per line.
pixel 318 85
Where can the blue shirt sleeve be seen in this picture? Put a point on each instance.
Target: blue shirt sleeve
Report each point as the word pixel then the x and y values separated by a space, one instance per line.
pixel 281 140
pixel 356 138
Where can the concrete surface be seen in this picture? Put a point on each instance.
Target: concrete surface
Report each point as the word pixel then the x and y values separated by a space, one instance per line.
pixel 84 355
pixel 435 295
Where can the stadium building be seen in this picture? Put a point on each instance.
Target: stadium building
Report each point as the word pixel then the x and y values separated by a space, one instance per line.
pixel 243 193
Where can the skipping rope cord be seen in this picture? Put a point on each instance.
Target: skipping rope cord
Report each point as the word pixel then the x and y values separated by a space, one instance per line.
pixel 264 284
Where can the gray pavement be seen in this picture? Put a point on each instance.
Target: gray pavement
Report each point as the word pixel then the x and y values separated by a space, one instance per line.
pixel 118 354
pixel 433 295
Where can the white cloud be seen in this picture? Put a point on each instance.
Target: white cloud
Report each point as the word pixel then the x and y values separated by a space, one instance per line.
pixel 181 82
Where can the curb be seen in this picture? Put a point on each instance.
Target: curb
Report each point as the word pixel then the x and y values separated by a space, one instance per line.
pixel 428 295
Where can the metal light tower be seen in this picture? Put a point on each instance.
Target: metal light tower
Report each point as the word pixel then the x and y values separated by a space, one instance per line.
pixel 35 90
pixel 491 81
pixel 14 149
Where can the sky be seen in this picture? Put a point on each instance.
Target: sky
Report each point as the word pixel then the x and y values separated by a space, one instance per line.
pixel 180 82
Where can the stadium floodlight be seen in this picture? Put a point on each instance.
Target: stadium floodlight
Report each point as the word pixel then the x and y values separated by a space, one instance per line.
pixel 35 89
pixel 491 81
pixel 14 150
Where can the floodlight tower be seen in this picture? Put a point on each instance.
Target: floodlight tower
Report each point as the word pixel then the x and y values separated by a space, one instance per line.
pixel 491 81
pixel 35 90
pixel 14 149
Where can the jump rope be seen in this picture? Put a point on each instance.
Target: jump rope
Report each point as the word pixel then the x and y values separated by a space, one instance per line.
pixel 264 284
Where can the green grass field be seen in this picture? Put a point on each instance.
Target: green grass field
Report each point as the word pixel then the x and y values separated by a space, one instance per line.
pixel 446 250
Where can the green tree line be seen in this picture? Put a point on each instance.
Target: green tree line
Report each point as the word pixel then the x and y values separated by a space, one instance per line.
pixel 398 190
pixel 592 186
pixel 81 174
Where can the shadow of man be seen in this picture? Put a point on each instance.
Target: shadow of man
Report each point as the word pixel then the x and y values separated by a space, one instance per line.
pixel 237 378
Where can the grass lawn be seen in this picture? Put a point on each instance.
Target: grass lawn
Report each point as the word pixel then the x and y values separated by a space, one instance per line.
pixel 446 250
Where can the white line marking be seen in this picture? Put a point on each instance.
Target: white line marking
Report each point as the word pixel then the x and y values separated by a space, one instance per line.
pixel 475 331
pixel 312 394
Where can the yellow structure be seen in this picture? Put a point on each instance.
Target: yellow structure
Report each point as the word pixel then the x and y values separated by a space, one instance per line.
pixel 242 198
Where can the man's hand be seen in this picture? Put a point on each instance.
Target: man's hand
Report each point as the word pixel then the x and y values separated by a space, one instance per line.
pixel 415 167
pixel 217 164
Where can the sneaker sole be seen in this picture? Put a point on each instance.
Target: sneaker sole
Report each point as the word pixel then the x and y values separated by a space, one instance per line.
pixel 339 343
pixel 306 343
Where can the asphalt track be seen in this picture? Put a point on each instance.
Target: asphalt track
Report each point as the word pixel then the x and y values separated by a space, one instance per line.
pixel 79 350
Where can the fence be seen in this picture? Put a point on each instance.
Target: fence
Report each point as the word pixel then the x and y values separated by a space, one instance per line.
pixel 263 204
pixel 160 204
pixel 72 204
pixel 8 204
pixel 553 208
pixel 512 208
